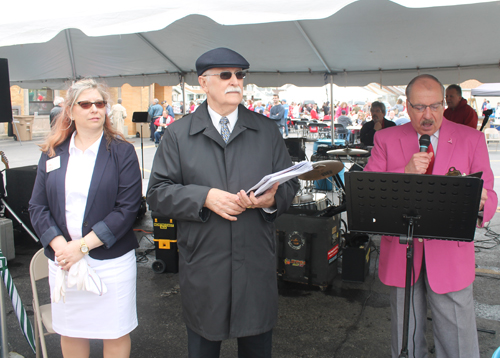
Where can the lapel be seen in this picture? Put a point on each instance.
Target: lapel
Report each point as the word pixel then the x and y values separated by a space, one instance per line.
pixel 446 145
pixel 408 141
pixel 101 161
pixel 202 122
pixel 63 152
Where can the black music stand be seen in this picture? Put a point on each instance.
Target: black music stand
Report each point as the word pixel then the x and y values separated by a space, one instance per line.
pixel 412 205
pixel 141 117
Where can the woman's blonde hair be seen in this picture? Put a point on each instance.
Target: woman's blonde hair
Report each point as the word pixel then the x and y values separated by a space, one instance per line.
pixel 64 125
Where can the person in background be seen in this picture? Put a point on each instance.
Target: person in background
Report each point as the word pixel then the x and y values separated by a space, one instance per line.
pixel 277 113
pixel 398 107
pixel 314 112
pixel 227 257
pixel 155 111
pixel 58 104
pixel 168 108
pixel 165 121
pixel 85 200
pixel 287 108
pixel 118 115
pixel 191 107
pixel 458 110
pixel 444 270
pixel 377 123
pixel 343 106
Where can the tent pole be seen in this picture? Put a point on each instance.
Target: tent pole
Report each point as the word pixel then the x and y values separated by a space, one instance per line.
pixel 183 82
pixel 332 127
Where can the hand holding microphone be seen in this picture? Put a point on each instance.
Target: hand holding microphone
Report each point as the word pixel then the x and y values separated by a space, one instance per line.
pixel 420 161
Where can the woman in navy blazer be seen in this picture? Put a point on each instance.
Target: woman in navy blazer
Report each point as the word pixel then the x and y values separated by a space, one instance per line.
pixel 85 200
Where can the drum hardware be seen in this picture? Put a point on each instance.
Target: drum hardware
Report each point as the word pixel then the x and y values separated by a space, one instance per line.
pixel 347 151
pixel 323 170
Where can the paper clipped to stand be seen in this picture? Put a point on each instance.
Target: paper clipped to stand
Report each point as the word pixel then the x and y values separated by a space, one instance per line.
pixel 281 177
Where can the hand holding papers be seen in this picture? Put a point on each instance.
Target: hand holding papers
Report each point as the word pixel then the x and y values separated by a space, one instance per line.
pixel 281 177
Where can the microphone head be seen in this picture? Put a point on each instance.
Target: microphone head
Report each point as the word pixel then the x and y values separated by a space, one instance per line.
pixel 424 141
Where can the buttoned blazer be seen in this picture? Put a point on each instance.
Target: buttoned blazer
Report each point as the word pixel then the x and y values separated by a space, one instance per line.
pixel 112 204
pixel 450 265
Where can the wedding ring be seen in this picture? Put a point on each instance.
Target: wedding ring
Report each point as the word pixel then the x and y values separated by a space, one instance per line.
pixel 249 207
pixel 64 261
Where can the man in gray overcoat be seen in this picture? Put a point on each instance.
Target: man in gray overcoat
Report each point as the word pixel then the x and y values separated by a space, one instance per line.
pixel 226 238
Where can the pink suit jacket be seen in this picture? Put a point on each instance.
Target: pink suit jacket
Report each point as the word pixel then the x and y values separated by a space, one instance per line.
pixel 450 264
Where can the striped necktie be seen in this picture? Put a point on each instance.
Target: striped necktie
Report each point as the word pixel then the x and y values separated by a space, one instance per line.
pixel 224 129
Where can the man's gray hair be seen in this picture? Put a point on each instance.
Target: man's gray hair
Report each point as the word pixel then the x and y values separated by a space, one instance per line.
pixel 58 101
pixel 119 100
pixel 379 105
pixel 156 101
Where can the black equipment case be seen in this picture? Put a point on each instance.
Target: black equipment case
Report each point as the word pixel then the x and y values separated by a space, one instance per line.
pixel 308 248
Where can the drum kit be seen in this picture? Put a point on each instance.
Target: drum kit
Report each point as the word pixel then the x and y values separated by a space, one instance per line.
pixel 311 203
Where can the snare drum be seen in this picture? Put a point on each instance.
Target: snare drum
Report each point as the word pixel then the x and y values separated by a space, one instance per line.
pixel 311 202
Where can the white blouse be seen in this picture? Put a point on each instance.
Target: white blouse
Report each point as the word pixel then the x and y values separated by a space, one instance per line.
pixel 78 177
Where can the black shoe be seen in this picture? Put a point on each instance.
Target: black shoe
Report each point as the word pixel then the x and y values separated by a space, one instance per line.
pixel 151 140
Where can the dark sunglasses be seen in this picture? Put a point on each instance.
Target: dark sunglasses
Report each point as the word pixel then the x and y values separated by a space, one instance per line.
pixel 87 104
pixel 226 75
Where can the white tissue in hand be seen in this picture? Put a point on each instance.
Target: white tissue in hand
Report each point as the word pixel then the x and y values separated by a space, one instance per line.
pixel 80 275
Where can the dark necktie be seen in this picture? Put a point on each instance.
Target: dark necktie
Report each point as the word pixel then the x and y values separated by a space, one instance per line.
pixel 431 164
pixel 224 129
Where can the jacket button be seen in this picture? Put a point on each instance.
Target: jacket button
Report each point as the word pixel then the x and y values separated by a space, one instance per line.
pixel 419 240
pixel 85 223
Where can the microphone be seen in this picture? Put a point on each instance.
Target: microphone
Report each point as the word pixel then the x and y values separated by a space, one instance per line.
pixel 424 141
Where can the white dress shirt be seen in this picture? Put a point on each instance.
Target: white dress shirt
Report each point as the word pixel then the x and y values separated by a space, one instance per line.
pixel 78 178
pixel 215 117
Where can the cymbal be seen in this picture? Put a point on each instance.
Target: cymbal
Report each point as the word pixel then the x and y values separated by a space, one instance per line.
pixel 323 170
pixel 347 151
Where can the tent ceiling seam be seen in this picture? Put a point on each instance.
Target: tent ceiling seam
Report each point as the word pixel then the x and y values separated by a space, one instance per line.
pixel 311 44
pixel 142 37
pixel 70 50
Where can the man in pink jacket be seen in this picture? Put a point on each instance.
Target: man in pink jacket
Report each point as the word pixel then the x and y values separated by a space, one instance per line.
pixel 444 270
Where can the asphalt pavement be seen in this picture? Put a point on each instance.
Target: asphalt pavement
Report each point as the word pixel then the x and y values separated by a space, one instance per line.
pixel 347 320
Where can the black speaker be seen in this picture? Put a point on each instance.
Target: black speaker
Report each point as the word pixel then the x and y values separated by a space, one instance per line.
pixel 5 102
pixel 296 149
pixel 19 186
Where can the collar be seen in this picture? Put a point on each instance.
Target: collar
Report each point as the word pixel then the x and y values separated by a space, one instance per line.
pixel 94 148
pixel 215 117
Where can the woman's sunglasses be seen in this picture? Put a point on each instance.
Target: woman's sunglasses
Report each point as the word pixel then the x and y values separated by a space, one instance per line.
pixel 226 75
pixel 87 104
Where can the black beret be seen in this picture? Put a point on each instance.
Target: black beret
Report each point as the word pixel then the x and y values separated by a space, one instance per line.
pixel 220 58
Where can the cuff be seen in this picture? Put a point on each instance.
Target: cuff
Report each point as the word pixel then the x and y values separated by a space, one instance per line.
pixel 50 234
pixel 104 234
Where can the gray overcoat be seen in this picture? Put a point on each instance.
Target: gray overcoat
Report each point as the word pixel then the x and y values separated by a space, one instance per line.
pixel 227 269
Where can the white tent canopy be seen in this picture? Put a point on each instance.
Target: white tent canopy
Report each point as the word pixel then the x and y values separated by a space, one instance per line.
pixel 487 90
pixel 348 42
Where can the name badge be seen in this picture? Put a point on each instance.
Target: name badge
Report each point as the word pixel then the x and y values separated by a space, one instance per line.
pixel 53 164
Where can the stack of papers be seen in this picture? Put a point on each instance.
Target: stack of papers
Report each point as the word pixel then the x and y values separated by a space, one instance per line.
pixel 281 177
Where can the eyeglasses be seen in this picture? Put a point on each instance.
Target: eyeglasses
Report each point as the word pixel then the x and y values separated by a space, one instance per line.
pixel 88 104
pixel 226 75
pixel 421 107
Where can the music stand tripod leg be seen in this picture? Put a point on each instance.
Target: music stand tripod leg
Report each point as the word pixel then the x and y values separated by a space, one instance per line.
pixel 409 264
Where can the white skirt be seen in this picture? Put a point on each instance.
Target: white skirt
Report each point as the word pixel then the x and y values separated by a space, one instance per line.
pixel 87 315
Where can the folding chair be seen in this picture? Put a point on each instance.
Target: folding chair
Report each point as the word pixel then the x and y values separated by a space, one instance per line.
pixel 492 135
pixel 39 269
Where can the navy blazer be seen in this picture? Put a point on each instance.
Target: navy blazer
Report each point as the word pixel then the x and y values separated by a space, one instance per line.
pixel 112 204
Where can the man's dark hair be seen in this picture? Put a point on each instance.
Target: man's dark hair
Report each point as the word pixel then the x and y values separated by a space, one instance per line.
pixel 430 77
pixel 343 112
pixel 379 105
pixel 277 95
pixel 456 88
